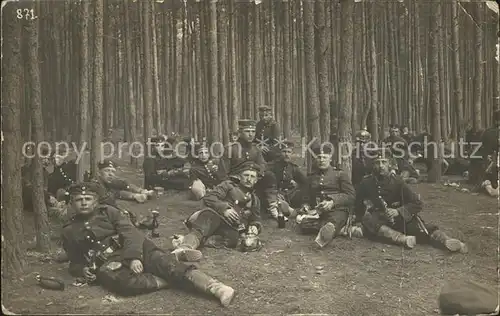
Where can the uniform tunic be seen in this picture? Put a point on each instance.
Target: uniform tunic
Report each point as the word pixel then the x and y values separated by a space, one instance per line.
pixel 268 132
pixel 62 177
pixel 211 221
pixel 205 173
pixel 285 172
pixel 397 194
pixel 176 180
pixel 334 185
pixel 107 223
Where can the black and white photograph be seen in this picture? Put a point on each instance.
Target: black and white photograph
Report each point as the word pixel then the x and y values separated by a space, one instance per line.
pixel 250 157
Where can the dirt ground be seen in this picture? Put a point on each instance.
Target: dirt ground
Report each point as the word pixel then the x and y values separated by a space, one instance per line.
pixel 360 277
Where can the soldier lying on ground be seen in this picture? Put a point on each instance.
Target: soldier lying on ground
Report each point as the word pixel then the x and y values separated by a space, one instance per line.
pixel 119 188
pixel 245 150
pixel 389 209
pixel 104 247
pixel 163 168
pixel 205 173
pixel 291 181
pixel 231 219
pixel 329 197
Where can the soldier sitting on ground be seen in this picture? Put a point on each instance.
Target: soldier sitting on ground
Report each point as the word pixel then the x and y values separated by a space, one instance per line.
pixel 245 150
pixel 119 188
pixel 104 247
pixel 231 219
pixel 360 161
pixel 400 149
pixel 389 209
pixel 291 181
pixel 329 197
pixel 205 173
pixel 163 167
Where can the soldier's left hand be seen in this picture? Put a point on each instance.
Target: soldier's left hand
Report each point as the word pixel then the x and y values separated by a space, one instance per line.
pixel 392 213
pixel 136 266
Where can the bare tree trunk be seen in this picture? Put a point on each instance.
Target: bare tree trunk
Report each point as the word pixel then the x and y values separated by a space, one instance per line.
pixel 13 254
pixel 347 67
pixel 374 105
pixel 214 91
pixel 459 99
pixel 324 87
pixel 84 86
pixel 98 89
pixel 157 116
pixel 223 32
pixel 39 207
pixel 313 129
pixel 235 100
pixel 479 67
pixel 435 174
pixel 148 72
pixel 287 73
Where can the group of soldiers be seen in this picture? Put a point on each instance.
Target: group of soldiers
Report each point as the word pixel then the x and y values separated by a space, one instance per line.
pixel 250 182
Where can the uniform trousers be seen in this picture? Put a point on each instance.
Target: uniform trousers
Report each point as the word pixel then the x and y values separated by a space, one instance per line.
pixel 156 262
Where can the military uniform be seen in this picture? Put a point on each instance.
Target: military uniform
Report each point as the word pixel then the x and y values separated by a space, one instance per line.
pixel 166 170
pixel 242 152
pixel 204 175
pixel 268 132
pixel 106 241
pixel 62 177
pixel 360 163
pixel 291 181
pixel 211 221
pixel 377 193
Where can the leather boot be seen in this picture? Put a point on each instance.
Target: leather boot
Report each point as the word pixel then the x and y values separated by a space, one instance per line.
pixel 397 237
pixel 209 285
pixel 452 244
pixel 325 235
pixel 187 250
pixel 353 231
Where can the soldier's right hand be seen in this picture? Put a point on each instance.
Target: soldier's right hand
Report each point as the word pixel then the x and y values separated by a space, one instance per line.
pixel 89 276
pixel 232 215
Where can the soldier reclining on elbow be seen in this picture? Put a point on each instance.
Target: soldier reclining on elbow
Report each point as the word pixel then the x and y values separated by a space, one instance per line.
pixel 103 247
pixel 231 219
pixel 205 173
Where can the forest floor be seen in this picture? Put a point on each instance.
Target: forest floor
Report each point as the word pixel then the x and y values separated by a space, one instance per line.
pixel 360 277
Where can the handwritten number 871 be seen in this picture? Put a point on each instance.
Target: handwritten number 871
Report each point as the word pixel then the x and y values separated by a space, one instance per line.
pixel 26 14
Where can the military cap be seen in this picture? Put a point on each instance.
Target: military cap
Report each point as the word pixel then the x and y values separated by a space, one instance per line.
pixel 286 144
pixel 200 146
pixel 106 163
pixel 467 298
pixel 320 149
pixel 247 165
pixel 264 108
pixel 246 124
pixel 89 187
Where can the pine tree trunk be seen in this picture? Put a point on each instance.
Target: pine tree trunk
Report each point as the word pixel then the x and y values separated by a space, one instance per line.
pixel 479 68
pixel 374 105
pixel 435 104
pixel 347 67
pixel 84 86
pixel 148 72
pixel 214 91
pixel 235 100
pixel 223 32
pixel 13 254
pixel 157 110
pixel 41 219
pixel 98 89
pixel 459 99
pixel 313 129
pixel 287 73
pixel 324 87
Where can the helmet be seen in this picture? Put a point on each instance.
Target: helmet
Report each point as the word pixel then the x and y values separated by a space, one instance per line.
pixel 363 135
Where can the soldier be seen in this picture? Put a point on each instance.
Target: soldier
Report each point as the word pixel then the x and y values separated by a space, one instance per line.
pixel 400 149
pixel 62 177
pixel 205 173
pixel 329 197
pixel 291 181
pixel 389 209
pixel 360 163
pixel 268 131
pixel 245 150
pixel 163 168
pixel 118 188
pixel 103 247
pixel 232 214
pixel 405 134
